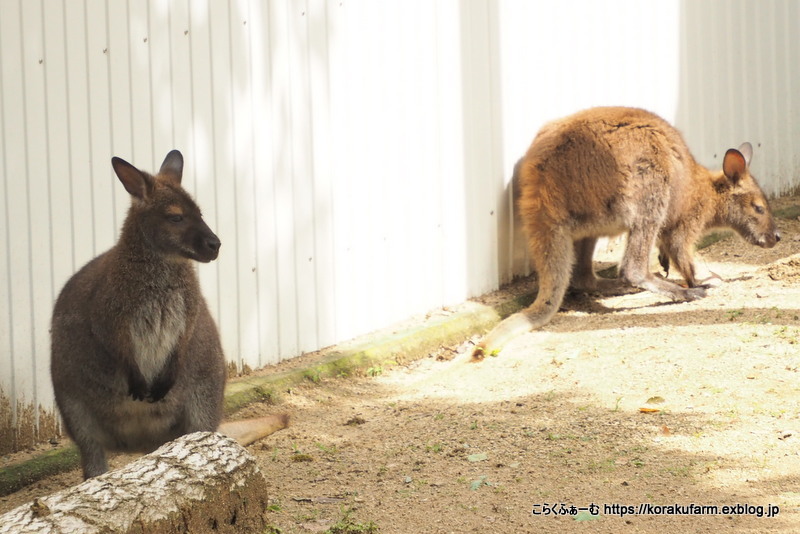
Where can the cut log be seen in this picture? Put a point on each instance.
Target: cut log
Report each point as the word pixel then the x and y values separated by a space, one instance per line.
pixel 201 482
pixel 247 431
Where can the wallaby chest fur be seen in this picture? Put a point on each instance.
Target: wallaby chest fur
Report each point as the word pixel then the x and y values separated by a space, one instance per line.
pixel 136 357
pixel 607 171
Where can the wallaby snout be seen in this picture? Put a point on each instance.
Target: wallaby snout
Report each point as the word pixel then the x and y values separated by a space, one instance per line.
pixel 213 243
pixel 769 240
pixel 206 245
pixel 760 229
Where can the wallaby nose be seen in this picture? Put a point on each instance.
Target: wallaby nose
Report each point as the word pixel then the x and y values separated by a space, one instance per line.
pixel 213 243
pixel 777 236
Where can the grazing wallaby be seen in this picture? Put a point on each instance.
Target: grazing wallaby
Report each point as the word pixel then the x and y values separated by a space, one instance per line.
pixel 605 171
pixel 136 358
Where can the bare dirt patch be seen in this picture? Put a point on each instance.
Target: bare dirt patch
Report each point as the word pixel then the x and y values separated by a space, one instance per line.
pixel 620 400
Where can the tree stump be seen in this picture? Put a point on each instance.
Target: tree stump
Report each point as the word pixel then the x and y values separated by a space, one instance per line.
pixel 201 482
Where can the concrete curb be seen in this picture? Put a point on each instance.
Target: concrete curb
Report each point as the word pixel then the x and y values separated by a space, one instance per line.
pixel 400 347
pixel 397 348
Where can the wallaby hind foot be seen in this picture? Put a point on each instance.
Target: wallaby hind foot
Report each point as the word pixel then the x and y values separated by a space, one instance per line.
pixel 604 287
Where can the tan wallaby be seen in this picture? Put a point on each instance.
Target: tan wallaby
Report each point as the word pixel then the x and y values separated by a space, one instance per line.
pixel 605 171
pixel 136 358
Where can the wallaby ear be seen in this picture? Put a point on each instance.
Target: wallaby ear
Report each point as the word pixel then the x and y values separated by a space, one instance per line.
pixel 735 164
pixel 137 183
pixel 173 166
pixel 747 151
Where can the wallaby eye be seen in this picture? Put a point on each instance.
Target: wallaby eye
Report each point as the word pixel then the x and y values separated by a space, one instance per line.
pixel 175 218
pixel 759 209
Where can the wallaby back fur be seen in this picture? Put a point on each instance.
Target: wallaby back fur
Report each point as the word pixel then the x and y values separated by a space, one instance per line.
pixel 136 358
pixel 606 171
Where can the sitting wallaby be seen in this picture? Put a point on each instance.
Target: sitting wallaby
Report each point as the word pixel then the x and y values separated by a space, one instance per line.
pixel 605 171
pixel 136 358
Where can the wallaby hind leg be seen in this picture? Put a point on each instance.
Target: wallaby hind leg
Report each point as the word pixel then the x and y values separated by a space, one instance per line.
pixel 551 255
pixel 93 459
pixel 81 427
pixel 635 269
pixel 583 277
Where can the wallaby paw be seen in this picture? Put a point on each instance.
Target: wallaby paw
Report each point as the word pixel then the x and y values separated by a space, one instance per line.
pixel 160 388
pixel 138 391
pixel 663 260
pixel 694 293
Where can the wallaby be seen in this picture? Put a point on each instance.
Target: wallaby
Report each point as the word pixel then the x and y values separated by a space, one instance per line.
pixel 605 171
pixel 136 358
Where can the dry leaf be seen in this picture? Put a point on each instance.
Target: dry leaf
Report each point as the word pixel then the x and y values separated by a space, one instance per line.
pixel 649 410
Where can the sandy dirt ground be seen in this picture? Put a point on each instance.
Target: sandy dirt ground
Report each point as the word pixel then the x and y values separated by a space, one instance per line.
pixel 626 413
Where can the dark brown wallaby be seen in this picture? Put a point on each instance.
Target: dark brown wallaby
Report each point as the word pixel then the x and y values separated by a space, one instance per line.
pixel 605 171
pixel 136 358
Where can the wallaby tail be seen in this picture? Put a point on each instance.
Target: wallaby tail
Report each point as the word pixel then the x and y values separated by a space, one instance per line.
pixel 552 255
pixel 513 326
pixel 247 431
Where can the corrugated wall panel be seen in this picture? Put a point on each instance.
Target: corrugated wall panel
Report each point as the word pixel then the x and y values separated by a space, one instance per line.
pixel 35 179
pixel 266 315
pixel 244 175
pixel 284 160
pixel 352 155
pixel 20 329
pixel 740 81
pixel 321 169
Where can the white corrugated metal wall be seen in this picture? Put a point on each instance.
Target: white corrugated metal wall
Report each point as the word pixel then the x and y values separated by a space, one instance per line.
pixel 351 155
pixel 740 81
